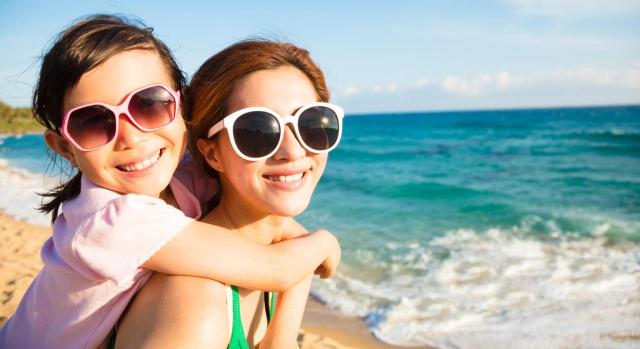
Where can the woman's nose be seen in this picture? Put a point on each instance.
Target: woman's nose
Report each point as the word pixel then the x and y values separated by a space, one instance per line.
pixel 290 148
pixel 128 134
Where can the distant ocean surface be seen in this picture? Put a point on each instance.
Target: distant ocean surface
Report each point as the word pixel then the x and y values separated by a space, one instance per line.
pixel 488 229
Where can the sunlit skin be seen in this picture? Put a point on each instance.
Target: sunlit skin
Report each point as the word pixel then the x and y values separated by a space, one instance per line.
pixel 249 196
pixel 253 204
pixel 138 162
pixel 111 82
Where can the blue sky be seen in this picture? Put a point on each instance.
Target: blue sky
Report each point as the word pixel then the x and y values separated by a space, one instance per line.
pixel 382 56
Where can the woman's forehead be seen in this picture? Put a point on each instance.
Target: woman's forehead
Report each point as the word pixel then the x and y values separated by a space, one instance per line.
pixel 284 90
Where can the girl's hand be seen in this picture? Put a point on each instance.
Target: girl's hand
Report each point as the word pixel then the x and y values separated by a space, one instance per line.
pixel 328 268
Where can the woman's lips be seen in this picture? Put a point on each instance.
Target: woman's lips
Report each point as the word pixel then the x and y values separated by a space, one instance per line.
pixel 283 178
pixel 288 182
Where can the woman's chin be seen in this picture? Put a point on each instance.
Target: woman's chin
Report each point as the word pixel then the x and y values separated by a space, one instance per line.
pixel 289 209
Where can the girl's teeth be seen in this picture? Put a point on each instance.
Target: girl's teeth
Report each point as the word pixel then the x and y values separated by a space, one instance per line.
pixel 139 166
pixel 291 178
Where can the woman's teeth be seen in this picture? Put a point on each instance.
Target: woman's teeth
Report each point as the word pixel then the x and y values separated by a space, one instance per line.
pixel 144 164
pixel 291 178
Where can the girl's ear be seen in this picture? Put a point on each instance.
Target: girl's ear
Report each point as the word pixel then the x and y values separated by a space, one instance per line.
pixel 60 145
pixel 209 150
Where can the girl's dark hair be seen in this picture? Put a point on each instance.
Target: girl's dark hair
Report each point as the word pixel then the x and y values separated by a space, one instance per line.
pixel 78 49
pixel 215 81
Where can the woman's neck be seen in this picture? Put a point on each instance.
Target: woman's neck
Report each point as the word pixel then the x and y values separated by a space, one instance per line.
pixel 235 216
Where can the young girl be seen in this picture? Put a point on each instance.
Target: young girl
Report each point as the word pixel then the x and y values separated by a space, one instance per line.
pixel 259 120
pixel 109 95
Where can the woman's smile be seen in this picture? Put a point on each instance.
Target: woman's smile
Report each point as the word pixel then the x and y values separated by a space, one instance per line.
pixel 282 184
pixel 288 181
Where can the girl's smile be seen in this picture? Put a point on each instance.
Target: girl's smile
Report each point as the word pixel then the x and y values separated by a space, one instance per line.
pixel 139 165
pixel 136 161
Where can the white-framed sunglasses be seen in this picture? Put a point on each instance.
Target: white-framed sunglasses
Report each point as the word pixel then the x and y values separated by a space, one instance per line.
pixel 257 132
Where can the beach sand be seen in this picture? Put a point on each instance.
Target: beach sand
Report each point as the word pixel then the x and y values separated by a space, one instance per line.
pixel 20 244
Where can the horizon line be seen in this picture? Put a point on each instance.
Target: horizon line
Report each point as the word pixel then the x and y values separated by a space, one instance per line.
pixel 490 109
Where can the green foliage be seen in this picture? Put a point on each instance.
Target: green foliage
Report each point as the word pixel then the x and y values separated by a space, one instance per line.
pixel 17 120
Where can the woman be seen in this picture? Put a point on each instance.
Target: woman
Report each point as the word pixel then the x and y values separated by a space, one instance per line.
pixel 260 123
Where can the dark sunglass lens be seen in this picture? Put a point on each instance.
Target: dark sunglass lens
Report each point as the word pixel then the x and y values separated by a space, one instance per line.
pixel 319 127
pixel 153 107
pixel 256 133
pixel 92 126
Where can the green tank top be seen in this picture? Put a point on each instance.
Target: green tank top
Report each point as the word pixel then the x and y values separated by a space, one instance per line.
pixel 238 339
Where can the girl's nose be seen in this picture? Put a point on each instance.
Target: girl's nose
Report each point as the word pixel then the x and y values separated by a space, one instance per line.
pixel 290 149
pixel 128 134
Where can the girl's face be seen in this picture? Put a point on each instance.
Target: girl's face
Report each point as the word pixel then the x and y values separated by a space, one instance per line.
pixel 136 162
pixel 282 184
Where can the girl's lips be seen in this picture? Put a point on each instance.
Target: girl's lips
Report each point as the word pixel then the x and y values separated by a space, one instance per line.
pixel 142 164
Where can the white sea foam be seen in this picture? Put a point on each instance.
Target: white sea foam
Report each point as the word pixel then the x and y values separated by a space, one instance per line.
pixel 497 289
pixel 19 189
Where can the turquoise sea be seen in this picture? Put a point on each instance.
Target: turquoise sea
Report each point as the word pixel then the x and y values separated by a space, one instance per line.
pixel 475 229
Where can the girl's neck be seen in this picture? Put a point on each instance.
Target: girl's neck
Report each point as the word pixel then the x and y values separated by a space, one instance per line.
pixel 257 226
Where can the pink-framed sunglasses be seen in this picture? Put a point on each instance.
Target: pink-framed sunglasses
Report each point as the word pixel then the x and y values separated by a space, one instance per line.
pixel 94 125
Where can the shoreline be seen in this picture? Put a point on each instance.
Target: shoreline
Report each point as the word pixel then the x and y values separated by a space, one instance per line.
pixel 347 330
pixel 20 244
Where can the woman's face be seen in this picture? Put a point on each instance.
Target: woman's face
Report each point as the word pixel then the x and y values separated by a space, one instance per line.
pixel 282 184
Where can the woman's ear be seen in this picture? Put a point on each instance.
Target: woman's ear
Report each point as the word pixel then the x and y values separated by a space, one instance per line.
pixel 209 150
pixel 60 145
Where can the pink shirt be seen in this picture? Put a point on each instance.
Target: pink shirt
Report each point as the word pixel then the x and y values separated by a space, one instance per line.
pixel 92 263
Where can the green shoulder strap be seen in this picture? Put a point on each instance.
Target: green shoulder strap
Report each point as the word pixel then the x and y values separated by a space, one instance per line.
pixel 238 339
pixel 272 307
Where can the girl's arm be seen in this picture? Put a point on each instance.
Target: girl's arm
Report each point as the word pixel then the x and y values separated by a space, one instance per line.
pixel 209 251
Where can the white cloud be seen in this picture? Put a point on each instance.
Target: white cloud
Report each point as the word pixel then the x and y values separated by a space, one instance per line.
pixel 460 86
pixel 350 91
pixel 421 82
pixel 388 88
pixel 575 8
pixel 504 82
pixel 391 88
pixel 628 77
pixel 476 85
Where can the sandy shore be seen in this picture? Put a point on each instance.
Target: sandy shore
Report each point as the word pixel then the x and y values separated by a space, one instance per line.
pixel 20 244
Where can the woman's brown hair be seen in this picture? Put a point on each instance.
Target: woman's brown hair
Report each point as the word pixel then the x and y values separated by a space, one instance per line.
pixel 213 84
pixel 78 49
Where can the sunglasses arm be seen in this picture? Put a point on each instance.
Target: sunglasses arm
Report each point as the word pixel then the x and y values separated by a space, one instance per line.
pixel 215 128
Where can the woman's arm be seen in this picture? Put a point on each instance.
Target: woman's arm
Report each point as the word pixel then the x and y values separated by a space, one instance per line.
pixel 176 312
pixel 283 329
pixel 209 251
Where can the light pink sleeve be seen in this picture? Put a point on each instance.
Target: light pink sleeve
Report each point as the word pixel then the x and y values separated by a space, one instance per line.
pixel 115 241
pixel 196 181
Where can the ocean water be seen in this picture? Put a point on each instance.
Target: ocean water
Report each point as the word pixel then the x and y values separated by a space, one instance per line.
pixel 489 229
